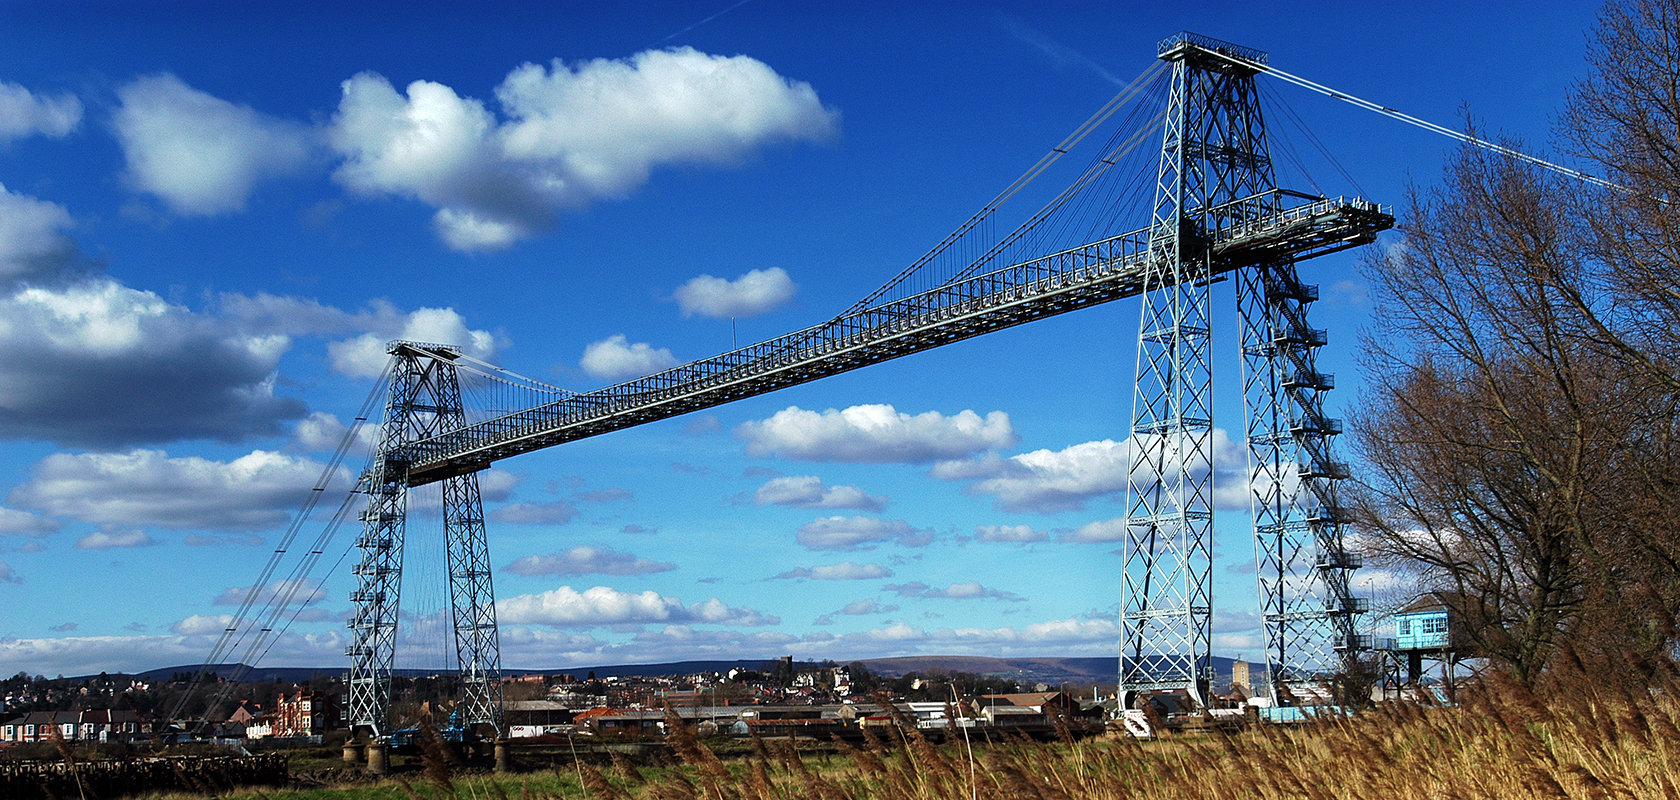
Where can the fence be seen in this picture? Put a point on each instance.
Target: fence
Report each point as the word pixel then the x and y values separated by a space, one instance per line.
pixel 52 779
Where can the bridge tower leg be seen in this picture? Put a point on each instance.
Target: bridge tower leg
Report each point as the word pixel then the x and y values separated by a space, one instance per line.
pixel 424 401
pixel 1213 153
pixel 1215 168
pixel 1306 607
pixel 473 601
pixel 1216 175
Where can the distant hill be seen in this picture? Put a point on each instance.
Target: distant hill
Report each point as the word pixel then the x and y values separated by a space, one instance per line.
pixel 244 673
pixel 1037 669
pixel 305 673
pixel 1045 669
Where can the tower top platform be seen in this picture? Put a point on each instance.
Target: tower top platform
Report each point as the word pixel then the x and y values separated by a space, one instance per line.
pixel 1185 44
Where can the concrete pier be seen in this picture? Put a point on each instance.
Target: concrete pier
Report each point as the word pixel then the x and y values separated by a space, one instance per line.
pixel 376 758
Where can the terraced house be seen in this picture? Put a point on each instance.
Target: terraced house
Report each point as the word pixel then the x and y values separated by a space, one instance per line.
pixel 86 726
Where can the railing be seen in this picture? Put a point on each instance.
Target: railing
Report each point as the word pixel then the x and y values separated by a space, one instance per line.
pixel 1260 228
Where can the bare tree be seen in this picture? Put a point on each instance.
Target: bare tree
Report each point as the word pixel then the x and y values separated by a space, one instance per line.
pixel 1520 428
pixel 1479 417
pixel 1624 119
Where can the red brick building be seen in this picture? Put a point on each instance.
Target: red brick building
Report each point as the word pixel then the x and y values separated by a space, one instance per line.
pixel 306 713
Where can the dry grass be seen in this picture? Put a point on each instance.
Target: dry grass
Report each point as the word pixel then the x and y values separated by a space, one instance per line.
pixel 1501 743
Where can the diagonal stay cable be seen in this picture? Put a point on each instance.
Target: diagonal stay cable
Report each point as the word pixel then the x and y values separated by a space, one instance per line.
pixel 1427 125
pixel 268 634
pixel 485 368
pixel 236 628
pixel 297 610
pixel 1096 120
pixel 1097 169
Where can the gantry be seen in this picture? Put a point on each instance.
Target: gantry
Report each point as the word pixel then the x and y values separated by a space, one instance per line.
pixel 1217 213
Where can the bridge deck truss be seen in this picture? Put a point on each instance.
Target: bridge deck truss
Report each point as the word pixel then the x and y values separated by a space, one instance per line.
pixel 1280 224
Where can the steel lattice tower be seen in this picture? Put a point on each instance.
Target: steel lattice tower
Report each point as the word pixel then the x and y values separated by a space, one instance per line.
pixel 1302 561
pixel 424 401
pixel 1215 176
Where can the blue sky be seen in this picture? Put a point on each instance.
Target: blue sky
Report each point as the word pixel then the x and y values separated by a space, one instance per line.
pixel 214 214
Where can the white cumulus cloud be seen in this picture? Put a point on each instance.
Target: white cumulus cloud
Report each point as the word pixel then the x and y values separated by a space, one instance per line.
pixel 32 239
pixel 1050 481
pixel 86 655
pixel 615 358
pixel 808 491
pixel 1009 533
pixel 202 625
pixel 843 571
pixel 200 154
pixel 148 487
pixel 751 294
pixel 365 356
pixel 603 605
pixel 965 590
pixel 852 533
pixel 107 540
pixel 587 560
pixel 566 136
pixel 554 512
pixel 25 113
pixel 26 524
pixel 856 608
pixel 874 433
pixel 69 342
pixel 300 592
pixel 1106 530
pixel 322 430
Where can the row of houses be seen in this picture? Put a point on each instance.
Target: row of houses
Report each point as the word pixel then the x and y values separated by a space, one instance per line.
pixel 302 714
pixel 74 726
pixel 1036 709
pixel 306 713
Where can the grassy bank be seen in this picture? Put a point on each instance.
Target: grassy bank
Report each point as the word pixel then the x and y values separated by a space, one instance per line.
pixel 1508 745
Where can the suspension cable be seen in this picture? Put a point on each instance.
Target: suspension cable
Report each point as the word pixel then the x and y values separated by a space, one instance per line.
pixel 509 374
pixel 1096 120
pixel 1101 166
pixel 1427 125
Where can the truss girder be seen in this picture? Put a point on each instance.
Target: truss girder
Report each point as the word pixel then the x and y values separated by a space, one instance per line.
pixel 1217 211
pixel 1280 224
pixel 424 402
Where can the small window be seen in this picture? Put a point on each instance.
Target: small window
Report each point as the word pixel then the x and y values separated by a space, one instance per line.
pixel 1405 627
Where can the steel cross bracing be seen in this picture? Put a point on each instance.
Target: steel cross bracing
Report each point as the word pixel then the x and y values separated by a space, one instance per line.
pixel 1214 149
pixel 1307 610
pixel 424 401
pixel 1213 153
pixel 1274 225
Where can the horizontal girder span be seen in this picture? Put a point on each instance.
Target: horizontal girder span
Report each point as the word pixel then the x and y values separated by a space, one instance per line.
pixel 1262 230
